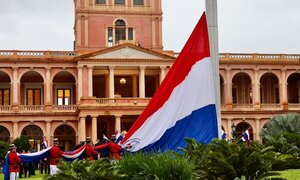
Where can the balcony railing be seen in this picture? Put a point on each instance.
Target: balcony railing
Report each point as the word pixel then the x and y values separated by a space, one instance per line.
pixel 123 101
pixel 33 108
pixel 36 54
pixel 5 108
pixel 242 106
pixel 294 106
pixel 270 106
pixel 64 108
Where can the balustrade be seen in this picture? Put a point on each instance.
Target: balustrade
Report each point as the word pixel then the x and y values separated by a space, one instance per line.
pixel 31 108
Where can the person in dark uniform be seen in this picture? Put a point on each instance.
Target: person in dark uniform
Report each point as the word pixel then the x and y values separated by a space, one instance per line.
pixel 54 155
pixel 89 150
pixel 14 162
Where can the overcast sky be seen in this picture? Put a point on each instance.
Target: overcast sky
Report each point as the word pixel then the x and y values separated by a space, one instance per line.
pixel 245 26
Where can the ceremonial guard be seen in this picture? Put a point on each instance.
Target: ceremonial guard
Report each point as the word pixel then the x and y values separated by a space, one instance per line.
pixel 89 150
pixel 54 155
pixel 114 148
pixel 14 162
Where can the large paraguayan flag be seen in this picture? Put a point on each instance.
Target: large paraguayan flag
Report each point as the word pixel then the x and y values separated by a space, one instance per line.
pixel 184 104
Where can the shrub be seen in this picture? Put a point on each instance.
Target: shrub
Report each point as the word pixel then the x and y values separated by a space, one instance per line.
pixel 87 170
pixel 150 166
pixel 3 150
pixel 22 143
pixel 229 160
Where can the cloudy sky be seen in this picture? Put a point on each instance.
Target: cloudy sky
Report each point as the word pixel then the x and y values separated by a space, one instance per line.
pixel 245 26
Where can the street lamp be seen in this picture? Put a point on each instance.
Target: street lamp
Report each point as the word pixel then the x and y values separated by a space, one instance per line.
pixel 233 128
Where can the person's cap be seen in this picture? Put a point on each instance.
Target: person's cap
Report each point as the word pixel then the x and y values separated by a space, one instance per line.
pixel 12 146
pixel 88 139
pixel 113 136
pixel 55 141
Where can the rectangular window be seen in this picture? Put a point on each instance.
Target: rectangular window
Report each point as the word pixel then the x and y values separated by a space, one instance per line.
pixel 110 36
pixel 34 97
pixel 130 33
pixel 63 96
pixel 100 2
pixel 4 96
pixel 119 1
pixel 138 2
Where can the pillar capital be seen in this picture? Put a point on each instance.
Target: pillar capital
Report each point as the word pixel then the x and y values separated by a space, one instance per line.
pixel 80 66
pixel 142 67
pixel 118 115
pixel 111 67
pixel 90 67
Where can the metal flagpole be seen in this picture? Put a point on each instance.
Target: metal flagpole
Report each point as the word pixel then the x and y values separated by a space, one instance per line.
pixel 212 22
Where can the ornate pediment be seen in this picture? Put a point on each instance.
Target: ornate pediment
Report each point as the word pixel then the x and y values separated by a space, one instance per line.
pixel 126 51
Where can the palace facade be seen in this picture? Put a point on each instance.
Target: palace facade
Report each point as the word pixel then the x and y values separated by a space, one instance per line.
pixel 117 64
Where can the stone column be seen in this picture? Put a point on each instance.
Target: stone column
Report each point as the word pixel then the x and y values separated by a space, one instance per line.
pixel 257 129
pixel 162 74
pixel 142 81
pixel 94 129
pixel 79 90
pixel 229 133
pixel 15 129
pixel 48 84
pixel 256 89
pixel 15 85
pixel 86 31
pixel 111 81
pixel 90 79
pixel 82 129
pixel 118 123
pixel 228 90
pixel 283 85
pixel 48 131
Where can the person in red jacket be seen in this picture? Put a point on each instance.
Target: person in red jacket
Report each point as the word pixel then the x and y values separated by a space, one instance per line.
pixel 14 162
pixel 89 150
pixel 54 155
pixel 114 148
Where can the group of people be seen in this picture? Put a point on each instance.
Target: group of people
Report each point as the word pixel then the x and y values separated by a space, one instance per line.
pixel 55 154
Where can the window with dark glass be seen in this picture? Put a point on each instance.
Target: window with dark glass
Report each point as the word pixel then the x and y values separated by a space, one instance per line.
pixel 4 96
pixel 100 2
pixel 130 33
pixel 119 1
pixel 33 97
pixel 138 2
pixel 110 36
pixel 120 30
pixel 63 96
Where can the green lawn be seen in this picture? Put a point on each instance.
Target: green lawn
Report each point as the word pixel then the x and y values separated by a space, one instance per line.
pixel 38 176
pixel 291 174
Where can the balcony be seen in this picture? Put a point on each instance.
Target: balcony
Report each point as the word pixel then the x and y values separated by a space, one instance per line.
pixel 243 107
pixel 123 101
pixel 64 108
pixel 271 107
pixel 31 108
pixel 294 106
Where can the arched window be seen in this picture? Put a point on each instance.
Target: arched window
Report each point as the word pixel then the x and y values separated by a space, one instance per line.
pixel 120 30
pixel 4 134
pixel 138 2
pixel 119 1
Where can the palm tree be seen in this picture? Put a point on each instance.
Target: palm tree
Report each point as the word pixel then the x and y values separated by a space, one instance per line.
pixel 281 124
